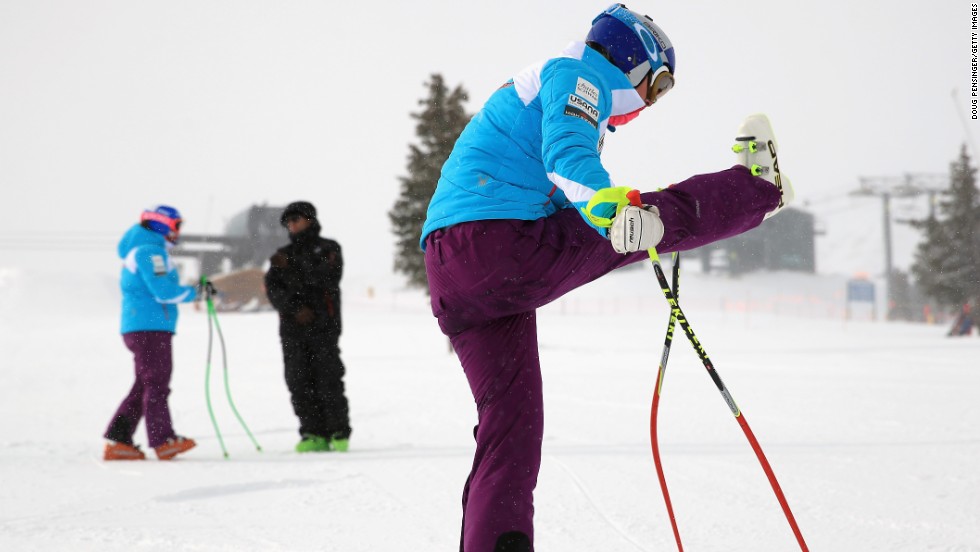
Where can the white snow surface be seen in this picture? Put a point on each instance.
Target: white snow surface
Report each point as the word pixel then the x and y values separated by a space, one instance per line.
pixel 872 428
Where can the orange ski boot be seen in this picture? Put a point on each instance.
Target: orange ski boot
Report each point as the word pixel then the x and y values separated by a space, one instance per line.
pixel 173 447
pixel 122 451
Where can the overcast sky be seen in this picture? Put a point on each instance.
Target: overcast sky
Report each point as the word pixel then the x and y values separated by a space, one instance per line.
pixel 107 107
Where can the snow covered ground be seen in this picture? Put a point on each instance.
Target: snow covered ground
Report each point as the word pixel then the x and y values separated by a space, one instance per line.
pixel 871 428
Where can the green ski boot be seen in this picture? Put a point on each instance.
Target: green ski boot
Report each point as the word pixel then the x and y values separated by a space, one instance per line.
pixel 313 443
pixel 338 443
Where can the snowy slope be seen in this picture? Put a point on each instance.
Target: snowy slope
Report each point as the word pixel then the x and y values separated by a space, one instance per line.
pixel 871 428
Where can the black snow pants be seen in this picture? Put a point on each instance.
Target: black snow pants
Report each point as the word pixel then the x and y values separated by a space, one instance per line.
pixel 314 376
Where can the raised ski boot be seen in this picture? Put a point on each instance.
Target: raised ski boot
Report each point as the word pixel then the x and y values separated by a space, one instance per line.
pixel 755 147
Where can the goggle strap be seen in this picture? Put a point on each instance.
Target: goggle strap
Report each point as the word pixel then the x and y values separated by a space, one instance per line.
pixel 172 224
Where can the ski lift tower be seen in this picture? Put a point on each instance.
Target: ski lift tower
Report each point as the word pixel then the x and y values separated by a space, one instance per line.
pixel 888 187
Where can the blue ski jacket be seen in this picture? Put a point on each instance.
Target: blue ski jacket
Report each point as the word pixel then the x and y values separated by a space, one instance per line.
pixel 150 285
pixel 534 147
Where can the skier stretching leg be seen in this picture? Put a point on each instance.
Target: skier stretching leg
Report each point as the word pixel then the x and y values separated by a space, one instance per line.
pixel 487 278
pixel 507 232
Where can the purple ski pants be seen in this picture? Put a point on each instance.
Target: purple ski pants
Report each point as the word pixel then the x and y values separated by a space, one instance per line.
pixel 153 358
pixel 486 278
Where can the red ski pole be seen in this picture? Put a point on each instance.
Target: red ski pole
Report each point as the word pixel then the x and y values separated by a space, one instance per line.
pixel 678 315
pixel 654 441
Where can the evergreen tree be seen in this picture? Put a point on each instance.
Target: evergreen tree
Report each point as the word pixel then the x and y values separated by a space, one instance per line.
pixel 440 123
pixel 947 262
pixel 902 303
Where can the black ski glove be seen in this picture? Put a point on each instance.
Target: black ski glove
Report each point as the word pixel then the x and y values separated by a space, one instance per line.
pixel 206 289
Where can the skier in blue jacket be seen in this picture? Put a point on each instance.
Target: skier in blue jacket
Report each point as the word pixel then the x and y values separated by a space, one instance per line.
pixel 525 212
pixel 151 290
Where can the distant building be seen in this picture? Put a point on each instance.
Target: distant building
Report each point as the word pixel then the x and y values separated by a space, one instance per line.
pixel 784 242
pixel 250 238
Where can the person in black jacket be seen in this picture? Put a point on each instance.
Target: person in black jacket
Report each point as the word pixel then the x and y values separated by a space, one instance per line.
pixel 303 284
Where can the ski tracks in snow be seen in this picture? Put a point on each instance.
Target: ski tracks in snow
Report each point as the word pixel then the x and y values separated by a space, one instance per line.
pixel 595 506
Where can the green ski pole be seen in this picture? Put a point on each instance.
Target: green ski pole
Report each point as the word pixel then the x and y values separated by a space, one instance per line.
pixel 207 371
pixel 213 315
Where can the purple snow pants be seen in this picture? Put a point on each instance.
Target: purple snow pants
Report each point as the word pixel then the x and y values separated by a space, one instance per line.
pixel 148 397
pixel 486 278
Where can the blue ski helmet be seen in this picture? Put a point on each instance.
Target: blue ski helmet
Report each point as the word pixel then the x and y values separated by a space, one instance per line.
pixel 162 219
pixel 633 43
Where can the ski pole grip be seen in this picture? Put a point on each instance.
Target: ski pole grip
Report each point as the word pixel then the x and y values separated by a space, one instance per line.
pixel 634 197
pixel 205 287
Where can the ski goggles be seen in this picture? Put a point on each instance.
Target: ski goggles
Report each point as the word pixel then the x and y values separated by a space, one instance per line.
pixel 638 73
pixel 171 223
pixel 660 83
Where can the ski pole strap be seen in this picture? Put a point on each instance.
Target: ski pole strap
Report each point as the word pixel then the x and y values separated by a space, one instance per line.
pixel 606 202
pixel 614 199
pixel 633 196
